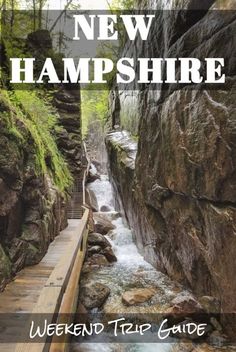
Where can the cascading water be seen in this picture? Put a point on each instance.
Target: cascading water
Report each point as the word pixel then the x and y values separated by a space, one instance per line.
pixel 121 237
pixel 103 190
pixel 130 271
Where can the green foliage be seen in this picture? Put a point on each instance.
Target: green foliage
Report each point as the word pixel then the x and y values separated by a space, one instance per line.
pixel 94 107
pixel 8 121
pixel 122 4
pixel 28 107
pixel 40 120
pixel 112 49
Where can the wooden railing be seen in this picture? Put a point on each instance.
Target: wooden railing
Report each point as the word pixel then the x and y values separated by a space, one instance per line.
pixel 85 173
pixel 70 298
pixel 60 293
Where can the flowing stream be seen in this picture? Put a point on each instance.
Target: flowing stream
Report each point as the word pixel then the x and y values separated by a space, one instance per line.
pixel 130 271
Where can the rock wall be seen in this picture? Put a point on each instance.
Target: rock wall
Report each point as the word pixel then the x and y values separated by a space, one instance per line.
pixel 68 104
pixel 32 208
pixel 66 99
pixel 179 192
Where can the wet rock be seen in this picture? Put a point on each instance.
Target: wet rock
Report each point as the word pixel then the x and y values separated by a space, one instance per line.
pixel 86 269
pixel 201 347
pixel 137 296
pixel 185 304
pixel 94 295
pixel 105 208
pixel 102 223
pixel 93 175
pixel 92 200
pixel 96 239
pixel 204 347
pixel 98 260
pixel 216 324
pixel 216 338
pixel 182 347
pixel 109 254
pixel 210 304
pixel 91 178
pixel 94 249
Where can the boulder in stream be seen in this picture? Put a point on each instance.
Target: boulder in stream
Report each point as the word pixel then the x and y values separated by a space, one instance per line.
pixel 102 223
pixel 109 254
pixel 98 260
pixel 93 295
pixel 105 208
pixel 92 200
pixel 93 250
pixel 137 296
pixel 185 303
pixel 201 347
pixel 93 174
pixel 96 239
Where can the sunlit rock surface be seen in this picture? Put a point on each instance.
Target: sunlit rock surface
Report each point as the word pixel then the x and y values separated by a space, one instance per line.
pixel 177 188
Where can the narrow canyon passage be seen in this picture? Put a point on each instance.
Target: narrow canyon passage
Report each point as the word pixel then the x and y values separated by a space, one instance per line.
pixel 133 287
pixel 118 196
pixel 130 271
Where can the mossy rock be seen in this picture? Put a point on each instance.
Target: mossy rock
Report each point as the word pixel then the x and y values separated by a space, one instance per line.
pixel 32 255
pixel 5 267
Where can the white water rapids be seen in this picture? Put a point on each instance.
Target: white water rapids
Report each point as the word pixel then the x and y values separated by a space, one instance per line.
pixel 121 237
pixel 130 271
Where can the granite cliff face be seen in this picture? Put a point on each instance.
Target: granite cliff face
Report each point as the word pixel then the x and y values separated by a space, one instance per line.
pixel 69 137
pixel 33 207
pixel 178 185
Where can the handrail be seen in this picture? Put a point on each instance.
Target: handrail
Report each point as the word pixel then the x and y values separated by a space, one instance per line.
pixel 70 298
pixel 53 297
pixel 85 173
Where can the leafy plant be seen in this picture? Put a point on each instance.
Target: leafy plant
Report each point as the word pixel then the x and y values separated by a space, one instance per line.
pixel 40 120
pixel 94 107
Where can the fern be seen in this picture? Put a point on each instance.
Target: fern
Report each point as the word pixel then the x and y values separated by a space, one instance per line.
pixel 40 120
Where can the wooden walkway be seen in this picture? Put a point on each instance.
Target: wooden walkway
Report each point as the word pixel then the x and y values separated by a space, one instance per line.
pixel 50 287
pixel 21 295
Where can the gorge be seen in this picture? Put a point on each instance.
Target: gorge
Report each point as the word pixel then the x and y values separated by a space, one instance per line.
pixel 175 180
pixel 159 195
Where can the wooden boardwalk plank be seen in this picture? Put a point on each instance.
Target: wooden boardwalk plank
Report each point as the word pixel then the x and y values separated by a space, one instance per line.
pixel 31 287
pixel 52 285
pixel 52 294
pixel 32 279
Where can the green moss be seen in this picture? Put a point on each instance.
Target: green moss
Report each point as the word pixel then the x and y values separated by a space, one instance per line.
pixel 40 121
pixel 8 120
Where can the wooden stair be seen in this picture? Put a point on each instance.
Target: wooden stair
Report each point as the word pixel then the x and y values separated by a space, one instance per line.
pixel 75 210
